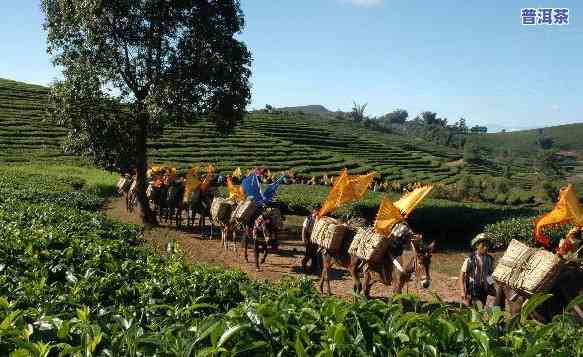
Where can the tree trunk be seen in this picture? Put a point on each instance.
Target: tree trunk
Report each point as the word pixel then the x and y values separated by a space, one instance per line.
pixel 146 214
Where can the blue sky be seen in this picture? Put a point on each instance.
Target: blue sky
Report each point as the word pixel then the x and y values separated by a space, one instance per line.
pixel 457 58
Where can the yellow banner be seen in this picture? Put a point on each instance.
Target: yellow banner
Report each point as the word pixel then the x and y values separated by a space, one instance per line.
pixel 387 217
pixel 235 192
pixel 410 200
pixel 237 173
pixel 346 189
pixel 568 209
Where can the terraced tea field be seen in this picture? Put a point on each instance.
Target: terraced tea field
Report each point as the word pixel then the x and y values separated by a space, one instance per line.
pixel 307 144
pixel 23 135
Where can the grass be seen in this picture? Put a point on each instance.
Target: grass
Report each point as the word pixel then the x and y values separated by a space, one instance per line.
pixel 61 173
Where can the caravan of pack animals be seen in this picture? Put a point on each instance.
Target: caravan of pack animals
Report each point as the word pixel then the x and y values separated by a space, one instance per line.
pixel 247 213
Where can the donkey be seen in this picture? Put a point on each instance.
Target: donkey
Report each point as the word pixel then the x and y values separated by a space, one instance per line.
pixel 157 196
pixel 340 258
pixel 132 196
pixel 202 207
pixel 567 287
pixel 310 248
pixel 196 203
pixel 418 265
pixel 312 251
pixel 174 195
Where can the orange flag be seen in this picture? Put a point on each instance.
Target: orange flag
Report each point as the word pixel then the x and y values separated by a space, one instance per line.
pixel 387 217
pixel 568 209
pixel 235 192
pixel 206 182
pixel 346 189
pixel 410 200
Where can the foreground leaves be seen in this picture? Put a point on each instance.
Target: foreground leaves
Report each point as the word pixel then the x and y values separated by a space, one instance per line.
pixel 74 283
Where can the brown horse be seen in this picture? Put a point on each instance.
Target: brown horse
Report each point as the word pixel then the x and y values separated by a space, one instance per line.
pixel 199 203
pixel 340 258
pixel 312 250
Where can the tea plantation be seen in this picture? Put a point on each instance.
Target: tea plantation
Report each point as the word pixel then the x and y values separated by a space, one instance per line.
pixel 308 144
pixel 75 283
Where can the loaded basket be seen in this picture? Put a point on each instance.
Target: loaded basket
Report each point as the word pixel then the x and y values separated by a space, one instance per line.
pixel 528 270
pixel 244 211
pixel 369 245
pixel 221 210
pixel 328 234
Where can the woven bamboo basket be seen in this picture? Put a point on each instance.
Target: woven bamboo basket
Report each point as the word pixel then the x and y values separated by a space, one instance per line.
pixel 221 210
pixel 527 270
pixel 369 245
pixel 328 234
pixel 244 211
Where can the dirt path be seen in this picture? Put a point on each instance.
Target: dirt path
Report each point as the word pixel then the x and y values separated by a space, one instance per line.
pixel 287 261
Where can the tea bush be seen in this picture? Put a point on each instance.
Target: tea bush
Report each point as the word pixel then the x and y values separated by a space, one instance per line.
pixel 522 229
pixel 75 283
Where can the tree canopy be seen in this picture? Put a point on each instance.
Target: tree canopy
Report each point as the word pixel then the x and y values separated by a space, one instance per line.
pixel 132 67
pixel 397 116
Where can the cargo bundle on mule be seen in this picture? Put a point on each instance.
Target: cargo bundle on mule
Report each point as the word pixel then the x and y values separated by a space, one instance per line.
pixel 555 267
pixel 369 248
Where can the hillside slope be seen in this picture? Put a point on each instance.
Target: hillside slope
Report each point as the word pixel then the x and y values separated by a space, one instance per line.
pixel 524 143
pixel 23 135
pixel 523 148
pixel 308 144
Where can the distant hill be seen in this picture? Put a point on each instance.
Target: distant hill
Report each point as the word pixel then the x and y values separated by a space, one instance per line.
pixel 523 148
pixel 309 109
pixel 524 142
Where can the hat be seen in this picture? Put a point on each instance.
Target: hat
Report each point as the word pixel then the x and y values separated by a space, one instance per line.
pixel 479 238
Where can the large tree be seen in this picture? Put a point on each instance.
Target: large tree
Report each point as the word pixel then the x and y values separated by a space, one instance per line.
pixel 397 116
pixel 131 67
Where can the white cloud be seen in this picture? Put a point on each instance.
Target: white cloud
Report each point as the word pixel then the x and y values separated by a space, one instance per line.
pixel 365 3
